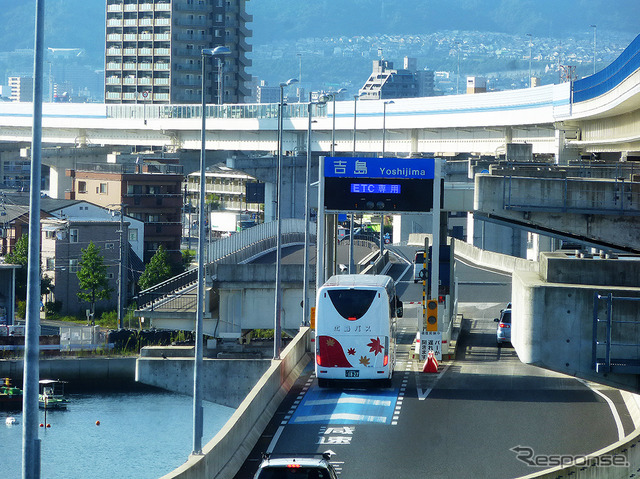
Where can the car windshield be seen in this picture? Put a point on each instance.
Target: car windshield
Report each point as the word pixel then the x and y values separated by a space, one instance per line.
pixel 294 473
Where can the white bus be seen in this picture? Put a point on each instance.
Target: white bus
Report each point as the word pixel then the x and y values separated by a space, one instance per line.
pixel 356 328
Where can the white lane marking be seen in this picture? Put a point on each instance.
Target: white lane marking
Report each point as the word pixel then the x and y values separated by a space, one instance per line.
pixel 273 442
pixel 341 416
pixel 612 406
pixel 373 402
pixel 423 393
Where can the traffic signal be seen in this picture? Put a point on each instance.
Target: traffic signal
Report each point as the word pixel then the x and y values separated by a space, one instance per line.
pixel 432 315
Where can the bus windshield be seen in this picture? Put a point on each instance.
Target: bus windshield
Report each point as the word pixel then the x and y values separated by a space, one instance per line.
pixel 351 304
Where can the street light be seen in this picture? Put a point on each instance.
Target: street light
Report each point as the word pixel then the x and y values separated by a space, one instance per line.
pixel 594 47
pixel 217 52
pixel 277 340
pixel 322 100
pixel 355 115
pixel 332 95
pixel 384 123
pixel 198 361
pixel 530 45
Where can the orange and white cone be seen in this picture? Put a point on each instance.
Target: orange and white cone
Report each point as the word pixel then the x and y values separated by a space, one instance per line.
pixel 431 364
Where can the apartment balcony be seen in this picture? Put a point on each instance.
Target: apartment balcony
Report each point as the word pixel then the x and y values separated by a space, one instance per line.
pixel 189 67
pixel 128 81
pixel 188 82
pixel 114 81
pixel 130 37
pixel 130 66
pixel 145 66
pixel 113 95
pixel 129 51
pixel 145 37
pixel 145 81
pixel 162 66
pixel 191 22
pixel 186 37
pixel 114 22
pixel 114 52
pixel 186 7
pixel 246 17
pixel 114 37
pixel 161 97
pixel 163 7
pixel 162 22
pixel 158 37
pixel 145 7
pixel 114 66
pixel 132 22
pixel 162 51
pixel 130 7
pixel 114 8
pixel 153 202
pixel 161 81
pixel 144 52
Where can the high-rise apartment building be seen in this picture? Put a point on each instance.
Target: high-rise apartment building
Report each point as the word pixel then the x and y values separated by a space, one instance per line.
pixel 153 51
pixel 21 88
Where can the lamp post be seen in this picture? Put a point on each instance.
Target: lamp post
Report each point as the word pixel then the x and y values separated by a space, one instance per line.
pixel 594 47
pixel 305 276
pixel 458 77
pixel 530 45
pixel 384 123
pixel 355 115
pixel 198 361
pixel 277 340
pixel 333 95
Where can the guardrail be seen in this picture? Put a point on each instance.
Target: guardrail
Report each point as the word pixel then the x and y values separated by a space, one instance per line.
pixel 237 248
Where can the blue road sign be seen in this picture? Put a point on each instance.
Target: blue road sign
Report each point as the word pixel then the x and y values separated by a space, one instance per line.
pixel 397 168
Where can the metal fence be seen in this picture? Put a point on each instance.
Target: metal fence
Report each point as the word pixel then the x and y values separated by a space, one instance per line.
pixel 237 248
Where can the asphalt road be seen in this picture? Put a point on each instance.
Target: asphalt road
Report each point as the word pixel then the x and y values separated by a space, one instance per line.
pixel 461 422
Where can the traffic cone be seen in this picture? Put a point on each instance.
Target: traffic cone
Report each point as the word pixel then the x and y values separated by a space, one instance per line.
pixel 431 364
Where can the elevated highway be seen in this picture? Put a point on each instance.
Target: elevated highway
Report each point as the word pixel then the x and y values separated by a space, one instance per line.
pixel 593 115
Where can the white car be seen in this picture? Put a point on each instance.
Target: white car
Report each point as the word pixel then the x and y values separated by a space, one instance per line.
pixel 296 467
pixel 418 265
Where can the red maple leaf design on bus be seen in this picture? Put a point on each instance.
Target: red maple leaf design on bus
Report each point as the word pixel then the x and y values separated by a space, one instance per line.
pixel 351 351
pixel 375 346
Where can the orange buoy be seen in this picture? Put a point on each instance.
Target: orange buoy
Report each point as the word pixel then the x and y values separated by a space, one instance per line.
pixel 41 425
pixel 48 425
pixel 97 423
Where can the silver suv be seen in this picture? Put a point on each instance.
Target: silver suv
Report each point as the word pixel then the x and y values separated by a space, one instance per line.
pixel 296 467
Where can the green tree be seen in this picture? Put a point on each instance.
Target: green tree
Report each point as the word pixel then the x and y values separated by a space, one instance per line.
pixel 20 255
pixel 157 270
pixel 92 275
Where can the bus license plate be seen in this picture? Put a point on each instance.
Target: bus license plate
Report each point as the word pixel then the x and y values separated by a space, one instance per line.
pixel 352 373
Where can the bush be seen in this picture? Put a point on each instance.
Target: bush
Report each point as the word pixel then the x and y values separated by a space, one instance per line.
pixel 108 319
pixel 52 307
pixel 21 311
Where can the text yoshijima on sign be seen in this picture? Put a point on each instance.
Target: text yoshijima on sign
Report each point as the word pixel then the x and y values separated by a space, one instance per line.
pixel 402 168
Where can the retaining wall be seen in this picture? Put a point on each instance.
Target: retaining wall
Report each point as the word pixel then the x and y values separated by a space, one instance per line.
pixel 223 456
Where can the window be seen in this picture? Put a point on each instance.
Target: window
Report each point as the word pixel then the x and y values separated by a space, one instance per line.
pixel 108 246
pixel 73 265
pixel 133 234
pixel 73 235
pixel 102 189
pixel 51 264
pixel 110 276
pixel 50 234
pixel 82 186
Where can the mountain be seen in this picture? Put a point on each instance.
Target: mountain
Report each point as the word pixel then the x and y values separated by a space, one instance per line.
pixel 80 23
pixel 288 19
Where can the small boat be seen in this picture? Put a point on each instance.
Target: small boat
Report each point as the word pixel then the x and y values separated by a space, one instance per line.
pixel 10 396
pixel 52 394
pixel 10 421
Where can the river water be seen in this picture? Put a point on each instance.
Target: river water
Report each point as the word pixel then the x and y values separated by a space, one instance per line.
pixel 142 435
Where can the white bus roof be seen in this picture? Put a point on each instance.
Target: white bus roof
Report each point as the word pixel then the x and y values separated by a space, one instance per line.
pixel 358 280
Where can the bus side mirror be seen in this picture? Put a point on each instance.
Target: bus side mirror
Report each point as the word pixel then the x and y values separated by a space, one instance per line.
pixel 399 309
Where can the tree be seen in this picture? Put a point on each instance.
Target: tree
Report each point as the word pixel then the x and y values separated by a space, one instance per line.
pixel 157 270
pixel 92 275
pixel 20 255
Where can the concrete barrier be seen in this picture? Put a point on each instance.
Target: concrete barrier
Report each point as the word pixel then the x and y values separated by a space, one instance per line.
pixel 496 261
pixel 77 371
pixel 223 456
